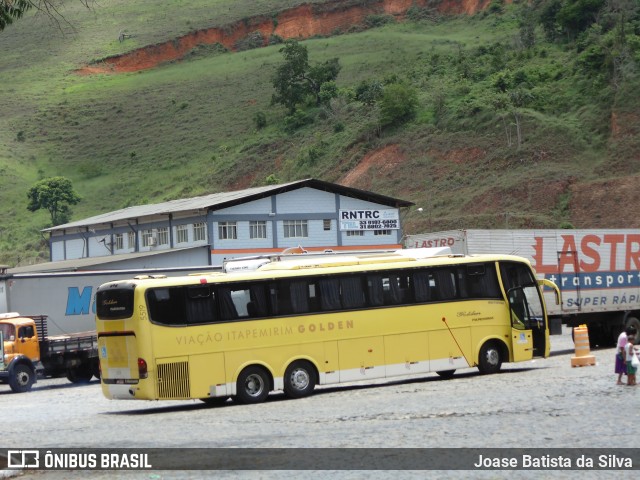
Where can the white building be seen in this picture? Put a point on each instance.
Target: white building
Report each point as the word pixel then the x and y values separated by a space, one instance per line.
pixel 312 214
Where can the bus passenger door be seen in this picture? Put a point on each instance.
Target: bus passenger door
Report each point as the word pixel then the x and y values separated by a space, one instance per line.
pixel 528 329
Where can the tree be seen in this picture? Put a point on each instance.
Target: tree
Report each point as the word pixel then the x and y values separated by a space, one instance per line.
pixel 295 80
pixel 54 194
pixel 11 10
pixel 399 103
pixel 369 92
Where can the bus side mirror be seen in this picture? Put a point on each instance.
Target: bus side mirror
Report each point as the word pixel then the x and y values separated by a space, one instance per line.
pixel 548 283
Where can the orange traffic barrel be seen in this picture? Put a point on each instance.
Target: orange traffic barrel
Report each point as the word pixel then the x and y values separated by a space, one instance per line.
pixel 583 355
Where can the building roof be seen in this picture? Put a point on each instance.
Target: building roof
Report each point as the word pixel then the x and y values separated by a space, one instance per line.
pixel 85 264
pixel 227 199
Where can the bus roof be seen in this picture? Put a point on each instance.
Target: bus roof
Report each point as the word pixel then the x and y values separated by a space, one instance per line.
pixel 332 264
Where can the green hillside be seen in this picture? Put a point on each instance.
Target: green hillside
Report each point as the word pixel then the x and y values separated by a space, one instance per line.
pixel 516 119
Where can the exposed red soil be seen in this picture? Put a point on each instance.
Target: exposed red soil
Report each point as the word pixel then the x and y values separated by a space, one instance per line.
pixel 459 156
pixel 304 21
pixel 618 197
pixel 377 163
pixel 624 124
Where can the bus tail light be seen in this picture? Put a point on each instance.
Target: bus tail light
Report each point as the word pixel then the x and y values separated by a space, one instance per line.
pixel 142 368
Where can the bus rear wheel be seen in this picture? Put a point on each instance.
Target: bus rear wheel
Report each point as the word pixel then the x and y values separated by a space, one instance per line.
pixel 299 379
pixel 490 359
pixel 253 385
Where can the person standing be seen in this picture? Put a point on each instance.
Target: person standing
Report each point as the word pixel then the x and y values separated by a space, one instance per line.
pixel 621 366
pixel 629 353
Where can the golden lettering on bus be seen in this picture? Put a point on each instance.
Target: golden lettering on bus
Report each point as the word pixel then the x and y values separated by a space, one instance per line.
pixel 325 326
pixel 201 339
pixel 252 333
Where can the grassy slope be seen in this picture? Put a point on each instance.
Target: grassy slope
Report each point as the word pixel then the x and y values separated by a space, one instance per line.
pixel 187 128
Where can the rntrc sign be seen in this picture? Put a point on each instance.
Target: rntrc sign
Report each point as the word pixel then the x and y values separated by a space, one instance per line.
pixel 369 220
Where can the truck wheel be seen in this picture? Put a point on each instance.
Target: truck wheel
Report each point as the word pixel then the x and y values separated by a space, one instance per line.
pixel 632 322
pixel 22 379
pixel 95 368
pixel 80 374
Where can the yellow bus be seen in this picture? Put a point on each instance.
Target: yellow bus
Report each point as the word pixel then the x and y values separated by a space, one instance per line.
pixel 292 324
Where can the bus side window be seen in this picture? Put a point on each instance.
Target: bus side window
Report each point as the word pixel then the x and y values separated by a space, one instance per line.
pixel 445 284
pixel 329 293
pixel 482 281
pixel 227 307
pixel 257 306
pixel 352 292
pixel 392 294
pixel 375 290
pixel 280 298
pixel 200 305
pixel 167 305
pixel 421 287
pixel 299 296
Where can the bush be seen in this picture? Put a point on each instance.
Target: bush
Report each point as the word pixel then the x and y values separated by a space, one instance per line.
pixel 399 103
pixel 275 39
pixel 297 120
pixel 373 21
pixel 251 41
pixel 260 120
pixel 369 92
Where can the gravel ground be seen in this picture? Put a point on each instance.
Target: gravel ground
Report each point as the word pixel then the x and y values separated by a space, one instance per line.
pixel 538 404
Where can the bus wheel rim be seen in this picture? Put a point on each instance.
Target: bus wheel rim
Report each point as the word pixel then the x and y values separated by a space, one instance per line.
pixel 492 356
pixel 254 385
pixel 299 379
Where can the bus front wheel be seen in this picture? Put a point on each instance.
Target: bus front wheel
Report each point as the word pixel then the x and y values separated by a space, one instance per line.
pixel 253 385
pixel 490 359
pixel 299 379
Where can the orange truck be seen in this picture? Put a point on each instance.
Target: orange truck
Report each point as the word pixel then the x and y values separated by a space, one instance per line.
pixel 27 352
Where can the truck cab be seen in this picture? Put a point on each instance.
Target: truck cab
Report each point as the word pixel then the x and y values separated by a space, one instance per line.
pixel 20 351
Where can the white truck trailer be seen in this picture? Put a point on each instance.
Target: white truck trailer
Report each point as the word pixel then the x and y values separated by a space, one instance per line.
pixel 67 298
pixel 597 271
